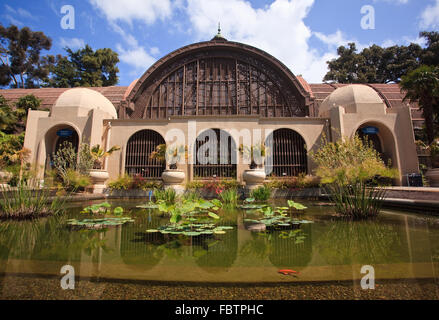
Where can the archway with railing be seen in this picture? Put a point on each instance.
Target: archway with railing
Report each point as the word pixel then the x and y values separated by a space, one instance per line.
pixel 215 155
pixel 287 154
pixel 138 152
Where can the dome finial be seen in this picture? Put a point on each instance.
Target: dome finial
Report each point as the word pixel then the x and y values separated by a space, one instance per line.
pixel 219 36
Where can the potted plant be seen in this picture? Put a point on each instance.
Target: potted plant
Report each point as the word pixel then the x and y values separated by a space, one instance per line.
pixel 172 155
pixel 433 173
pixel 98 175
pixel 255 176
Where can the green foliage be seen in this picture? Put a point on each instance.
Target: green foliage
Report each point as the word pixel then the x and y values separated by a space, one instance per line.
pixel 85 68
pixel 98 155
pixel 261 194
pixel 97 224
pixel 28 201
pixel 8 118
pixel 22 107
pixel 229 197
pixel 213 185
pixel 21 63
pixel 127 182
pixel 73 173
pixel 350 170
pixel 169 196
pixel 300 182
pixel 103 208
pixel 422 86
pixel 10 146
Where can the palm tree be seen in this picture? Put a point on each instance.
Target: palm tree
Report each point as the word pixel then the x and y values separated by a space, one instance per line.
pixel 98 154
pixel 422 86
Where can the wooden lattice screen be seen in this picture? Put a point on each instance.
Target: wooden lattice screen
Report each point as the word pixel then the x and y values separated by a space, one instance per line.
pixel 139 148
pixel 289 154
pixel 220 169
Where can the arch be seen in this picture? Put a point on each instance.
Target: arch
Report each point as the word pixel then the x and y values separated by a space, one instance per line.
pixel 138 150
pixel 55 137
pixel 386 140
pixel 217 78
pixel 215 155
pixel 287 154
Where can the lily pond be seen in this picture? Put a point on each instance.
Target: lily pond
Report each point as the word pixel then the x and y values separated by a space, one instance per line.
pixel 279 243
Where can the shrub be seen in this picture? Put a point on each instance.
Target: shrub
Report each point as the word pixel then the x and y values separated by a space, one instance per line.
pixel 229 197
pixel 169 195
pixel 350 170
pixel 217 185
pixel 261 194
pixel 301 182
pixel 29 202
pixel 137 182
pixel 74 181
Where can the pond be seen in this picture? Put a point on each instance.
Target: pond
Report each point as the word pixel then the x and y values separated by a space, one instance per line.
pixel 398 245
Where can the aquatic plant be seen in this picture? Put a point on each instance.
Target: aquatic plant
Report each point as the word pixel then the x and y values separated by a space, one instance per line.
pixel 278 218
pixel 98 223
pixel 229 197
pixel 261 194
pixel 28 201
pixel 103 208
pixel 168 195
pixel 349 169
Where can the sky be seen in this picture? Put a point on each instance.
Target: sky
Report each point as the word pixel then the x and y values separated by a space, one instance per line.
pixel 303 34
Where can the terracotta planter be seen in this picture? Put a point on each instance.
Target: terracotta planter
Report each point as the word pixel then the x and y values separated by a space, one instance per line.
pixel 433 177
pixel 98 179
pixel 254 178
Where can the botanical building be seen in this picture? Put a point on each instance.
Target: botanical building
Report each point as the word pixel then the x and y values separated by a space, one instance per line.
pixel 234 89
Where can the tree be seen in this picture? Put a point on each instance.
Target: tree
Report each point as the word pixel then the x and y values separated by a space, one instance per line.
pixel 22 107
pixel 21 63
pixel 374 64
pixel 430 55
pixel 8 119
pixel 422 86
pixel 85 68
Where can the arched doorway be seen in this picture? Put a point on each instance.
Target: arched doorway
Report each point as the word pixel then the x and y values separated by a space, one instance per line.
pixel 287 154
pixel 139 148
pixel 215 155
pixel 58 137
pixel 382 140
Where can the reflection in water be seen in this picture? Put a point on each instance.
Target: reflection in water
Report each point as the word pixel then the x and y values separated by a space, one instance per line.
pixel 49 243
pixel 360 242
pixel 287 252
pixel 218 254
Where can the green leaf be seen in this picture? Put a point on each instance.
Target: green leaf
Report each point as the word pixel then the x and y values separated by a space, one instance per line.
pixel 213 215
pixel 118 211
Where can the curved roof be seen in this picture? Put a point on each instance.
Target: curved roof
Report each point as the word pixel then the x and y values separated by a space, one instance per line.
pixel 215 45
pixel 191 80
pixel 87 99
pixel 348 96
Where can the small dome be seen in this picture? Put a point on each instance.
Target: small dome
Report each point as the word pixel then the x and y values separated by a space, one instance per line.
pixel 350 97
pixel 87 99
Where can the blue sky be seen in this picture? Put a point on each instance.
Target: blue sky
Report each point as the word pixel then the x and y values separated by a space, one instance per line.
pixel 303 34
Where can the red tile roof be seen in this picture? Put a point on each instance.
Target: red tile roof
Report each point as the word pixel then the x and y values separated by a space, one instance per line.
pixel 390 93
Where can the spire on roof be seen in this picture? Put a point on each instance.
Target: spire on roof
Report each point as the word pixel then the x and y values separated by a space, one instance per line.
pixel 219 36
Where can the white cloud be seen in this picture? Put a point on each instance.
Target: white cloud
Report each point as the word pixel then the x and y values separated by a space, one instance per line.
pixel 136 57
pixel 147 11
pixel 72 43
pixel 154 51
pixel 430 16
pixel 278 28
